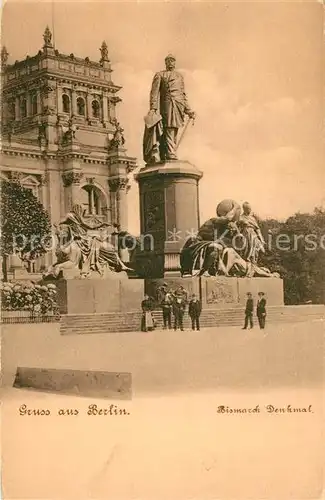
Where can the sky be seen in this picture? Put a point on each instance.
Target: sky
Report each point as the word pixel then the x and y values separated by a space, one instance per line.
pixel 253 74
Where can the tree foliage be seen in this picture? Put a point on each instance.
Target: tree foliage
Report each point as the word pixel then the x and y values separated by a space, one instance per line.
pixel 300 258
pixel 23 220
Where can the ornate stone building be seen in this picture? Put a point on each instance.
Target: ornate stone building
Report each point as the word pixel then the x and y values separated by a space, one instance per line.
pixel 60 133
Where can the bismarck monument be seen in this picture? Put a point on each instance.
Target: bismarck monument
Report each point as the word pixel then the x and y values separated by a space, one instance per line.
pixel 168 186
pixel 219 259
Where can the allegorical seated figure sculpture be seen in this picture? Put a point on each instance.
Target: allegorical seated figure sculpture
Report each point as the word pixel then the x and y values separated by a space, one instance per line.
pixel 204 252
pixel 249 228
pixel 220 248
pixel 168 107
pixel 83 252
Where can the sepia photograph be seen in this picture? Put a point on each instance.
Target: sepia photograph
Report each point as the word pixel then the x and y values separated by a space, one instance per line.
pixel 162 250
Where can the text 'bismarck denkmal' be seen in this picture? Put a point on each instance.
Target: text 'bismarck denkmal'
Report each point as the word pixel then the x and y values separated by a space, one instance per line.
pixel 265 409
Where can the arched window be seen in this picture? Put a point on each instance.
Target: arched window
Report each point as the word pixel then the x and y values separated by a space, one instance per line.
pixel 93 200
pixel 81 106
pixel 66 103
pixel 31 184
pixel 23 107
pixel 34 104
pixel 95 108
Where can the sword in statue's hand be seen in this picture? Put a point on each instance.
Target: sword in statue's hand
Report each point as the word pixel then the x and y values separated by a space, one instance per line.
pixel 190 118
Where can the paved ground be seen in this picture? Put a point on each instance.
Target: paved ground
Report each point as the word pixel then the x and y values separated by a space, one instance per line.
pixel 166 361
pixel 174 444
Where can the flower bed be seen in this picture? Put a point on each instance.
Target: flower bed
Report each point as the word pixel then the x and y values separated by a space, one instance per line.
pixel 36 300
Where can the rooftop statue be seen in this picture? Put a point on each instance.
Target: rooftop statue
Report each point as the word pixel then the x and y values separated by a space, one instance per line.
pixel 47 37
pixel 4 56
pixel 168 108
pixel 104 52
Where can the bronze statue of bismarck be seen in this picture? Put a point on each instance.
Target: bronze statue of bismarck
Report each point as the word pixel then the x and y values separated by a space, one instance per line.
pixel 168 107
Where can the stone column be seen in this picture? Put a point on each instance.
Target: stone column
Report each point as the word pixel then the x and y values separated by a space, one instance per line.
pixel 113 197
pixel 51 198
pixel 122 204
pixel 89 107
pixel 17 108
pixel 105 117
pixel 74 102
pixel 59 99
pixel 71 181
pixel 120 211
pixel 39 102
pixel 5 113
pixel 111 108
pixel 92 201
pixel 28 104
pixel 46 259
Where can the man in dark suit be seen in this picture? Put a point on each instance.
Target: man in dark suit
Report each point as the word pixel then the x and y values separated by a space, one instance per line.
pixel 178 310
pixel 261 310
pixel 249 311
pixel 194 311
pixel 167 305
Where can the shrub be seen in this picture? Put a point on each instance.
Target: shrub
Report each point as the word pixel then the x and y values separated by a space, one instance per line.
pixel 20 296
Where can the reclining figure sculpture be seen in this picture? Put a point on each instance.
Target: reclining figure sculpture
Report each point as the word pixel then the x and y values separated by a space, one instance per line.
pixel 81 251
pixel 228 244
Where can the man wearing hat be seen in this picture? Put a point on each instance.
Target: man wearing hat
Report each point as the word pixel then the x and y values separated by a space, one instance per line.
pixel 194 311
pixel 179 306
pixel 261 310
pixel 168 107
pixel 167 306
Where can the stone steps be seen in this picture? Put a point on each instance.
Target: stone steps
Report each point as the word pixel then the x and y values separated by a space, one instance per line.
pixel 130 322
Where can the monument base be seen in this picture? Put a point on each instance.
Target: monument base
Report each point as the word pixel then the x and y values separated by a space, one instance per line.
pixel 221 291
pixel 191 285
pixel 169 212
pixel 84 296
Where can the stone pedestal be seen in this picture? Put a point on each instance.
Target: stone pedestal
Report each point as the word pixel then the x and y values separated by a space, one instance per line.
pixel 85 296
pixel 17 268
pixel 169 211
pixel 224 292
pixel 221 292
pixel 191 285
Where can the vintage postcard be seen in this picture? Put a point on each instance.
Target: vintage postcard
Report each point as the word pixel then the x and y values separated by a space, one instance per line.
pixel 162 250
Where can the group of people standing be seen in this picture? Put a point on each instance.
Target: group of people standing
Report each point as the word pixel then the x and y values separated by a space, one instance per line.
pixel 260 311
pixel 173 304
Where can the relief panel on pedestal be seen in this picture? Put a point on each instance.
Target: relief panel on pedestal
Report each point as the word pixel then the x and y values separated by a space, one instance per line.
pixel 154 217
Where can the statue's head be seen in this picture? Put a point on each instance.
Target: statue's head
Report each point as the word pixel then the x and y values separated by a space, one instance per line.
pixel 78 210
pixel 247 208
pixel 170 62
pixel 226 206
